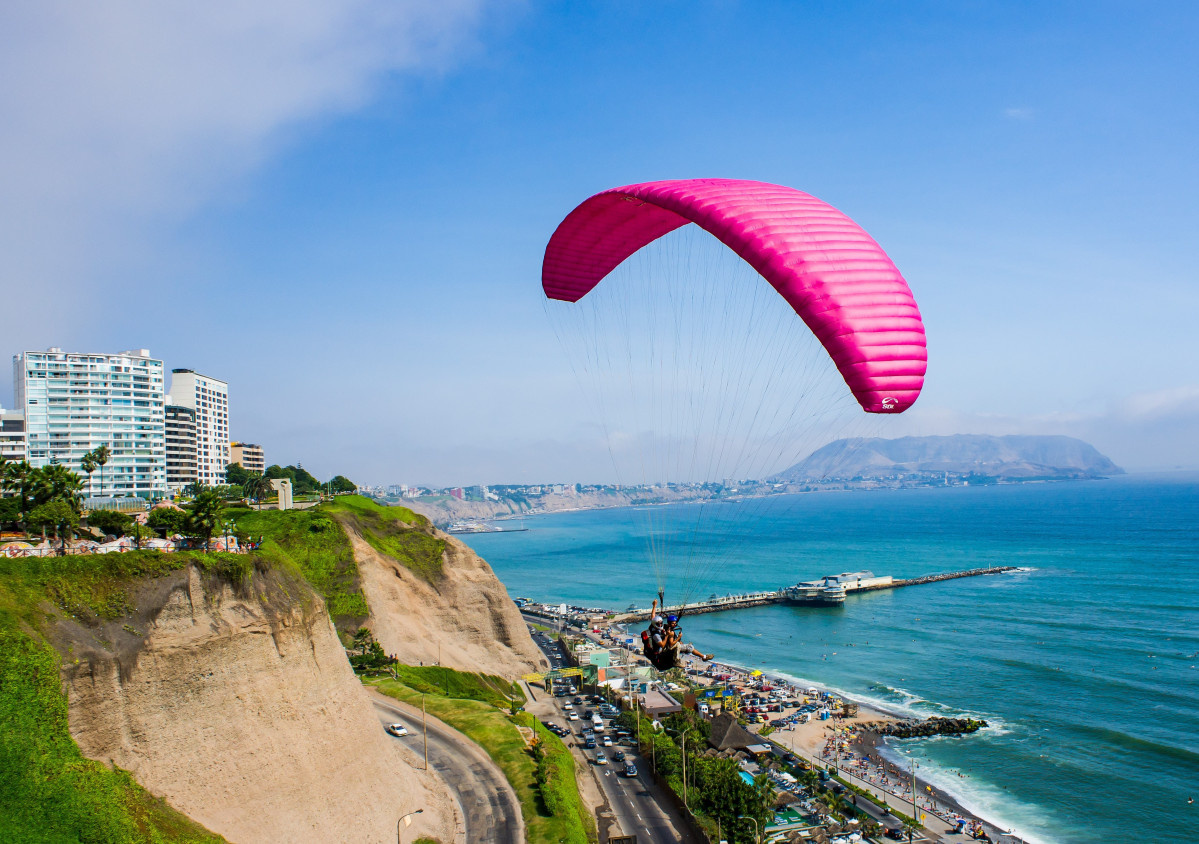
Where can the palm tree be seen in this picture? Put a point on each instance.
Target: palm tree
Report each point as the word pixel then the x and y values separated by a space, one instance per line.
pixel 19 478
pixel 101 455
pixel 88 464
pixel 57 483
pixel 204 514
pixel 256 487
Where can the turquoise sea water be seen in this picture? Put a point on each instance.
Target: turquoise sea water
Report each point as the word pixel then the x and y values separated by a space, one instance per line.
pixel 1086 666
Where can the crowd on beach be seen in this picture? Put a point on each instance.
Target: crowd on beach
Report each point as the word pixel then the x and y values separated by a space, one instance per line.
pixel 837 738
pixel 847 748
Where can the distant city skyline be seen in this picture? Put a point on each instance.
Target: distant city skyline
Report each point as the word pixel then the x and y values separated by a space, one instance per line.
pixel 343 210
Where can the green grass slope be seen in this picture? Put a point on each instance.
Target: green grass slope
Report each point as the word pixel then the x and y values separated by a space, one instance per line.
pixel 395 531
pixel 314 546
pixel 48 791
pixel 545 782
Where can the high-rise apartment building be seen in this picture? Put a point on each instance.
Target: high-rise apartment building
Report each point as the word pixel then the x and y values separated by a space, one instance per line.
pixel 250 456
pixel 12 435
pixel 209 398
pixel 181 446
pixel 74 403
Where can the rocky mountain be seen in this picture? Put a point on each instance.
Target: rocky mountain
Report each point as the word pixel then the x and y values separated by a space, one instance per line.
pixel 1007 458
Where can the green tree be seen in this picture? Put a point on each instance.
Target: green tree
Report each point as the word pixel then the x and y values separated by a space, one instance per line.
pixel 10 511
pixel 139 534
pixel 89 465
pixel 50 515
pixel 204 514
pixel 101 455
pixel 236 474
pixel 56 483
pixel 112 522
pixel 341 483
pixel 169 520
pixel 257 487
pixel 193 489
pixel 20 478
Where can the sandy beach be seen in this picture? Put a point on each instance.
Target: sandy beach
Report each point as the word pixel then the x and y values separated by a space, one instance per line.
pixel 846 743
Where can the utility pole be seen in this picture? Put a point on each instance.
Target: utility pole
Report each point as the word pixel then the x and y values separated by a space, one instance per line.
pixel 915 811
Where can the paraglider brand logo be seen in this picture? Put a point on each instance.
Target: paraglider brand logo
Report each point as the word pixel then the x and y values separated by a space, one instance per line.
pixel 889 403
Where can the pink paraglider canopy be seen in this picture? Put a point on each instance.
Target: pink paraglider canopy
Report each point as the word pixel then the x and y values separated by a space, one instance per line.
pixel 839 281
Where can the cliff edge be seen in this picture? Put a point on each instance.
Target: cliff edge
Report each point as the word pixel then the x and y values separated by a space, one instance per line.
pixel 236 703
pixel 431 597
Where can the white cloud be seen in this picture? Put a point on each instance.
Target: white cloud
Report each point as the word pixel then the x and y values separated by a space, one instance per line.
pixel 119 115
pixel 1022 113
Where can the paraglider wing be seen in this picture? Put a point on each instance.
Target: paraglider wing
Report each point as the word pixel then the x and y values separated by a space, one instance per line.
pixel 839 281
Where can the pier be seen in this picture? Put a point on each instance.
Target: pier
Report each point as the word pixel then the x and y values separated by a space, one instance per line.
pixel 759 599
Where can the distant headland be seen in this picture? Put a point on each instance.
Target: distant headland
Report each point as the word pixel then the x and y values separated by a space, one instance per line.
pixel 860 463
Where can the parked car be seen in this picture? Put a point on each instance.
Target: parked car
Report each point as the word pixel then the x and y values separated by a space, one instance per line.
pixel 397 730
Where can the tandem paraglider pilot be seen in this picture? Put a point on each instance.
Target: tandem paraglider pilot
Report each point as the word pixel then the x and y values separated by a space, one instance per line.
pixel 662 642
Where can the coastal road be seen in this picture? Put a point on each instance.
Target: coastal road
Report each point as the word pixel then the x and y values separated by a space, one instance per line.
pixel 489 806
pixel 632 802
pixel 632 805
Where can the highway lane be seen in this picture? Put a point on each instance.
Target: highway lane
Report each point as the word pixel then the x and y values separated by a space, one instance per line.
pixel 632 802
pixel 635 804
pixel 489 806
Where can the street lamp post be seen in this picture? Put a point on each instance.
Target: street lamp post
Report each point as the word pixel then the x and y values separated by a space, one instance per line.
pixel 401 820
pixel 683 735
pixel 915 811
pixel 757 837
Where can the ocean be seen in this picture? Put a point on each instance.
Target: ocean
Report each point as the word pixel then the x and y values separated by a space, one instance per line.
pixel 1085 665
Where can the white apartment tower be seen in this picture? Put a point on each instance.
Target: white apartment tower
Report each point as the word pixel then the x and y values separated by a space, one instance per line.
pixel 74 403
pixel 209 398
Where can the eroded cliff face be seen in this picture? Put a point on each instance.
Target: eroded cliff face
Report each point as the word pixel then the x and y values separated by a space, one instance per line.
pixel 240 708
pixel 466 612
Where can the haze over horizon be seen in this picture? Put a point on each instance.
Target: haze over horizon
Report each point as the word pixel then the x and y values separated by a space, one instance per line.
pixel 341 208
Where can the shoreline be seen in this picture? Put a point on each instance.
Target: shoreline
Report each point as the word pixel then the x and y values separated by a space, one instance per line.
pixel 843 742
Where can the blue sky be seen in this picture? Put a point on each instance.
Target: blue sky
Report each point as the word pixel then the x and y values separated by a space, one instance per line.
pixel 341 208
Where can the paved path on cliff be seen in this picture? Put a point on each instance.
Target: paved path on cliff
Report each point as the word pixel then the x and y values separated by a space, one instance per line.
pixel 489 805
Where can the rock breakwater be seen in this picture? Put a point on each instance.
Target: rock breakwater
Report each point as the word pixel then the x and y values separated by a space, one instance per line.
pixel 912 728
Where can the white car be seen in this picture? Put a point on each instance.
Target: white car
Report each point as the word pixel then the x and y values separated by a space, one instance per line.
pixel 606 741
pixel 568 706
pixel 573 716
pixel 600 758
pixel 397 729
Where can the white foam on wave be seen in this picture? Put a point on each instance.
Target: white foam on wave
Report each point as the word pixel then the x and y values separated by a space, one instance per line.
pixel 979 797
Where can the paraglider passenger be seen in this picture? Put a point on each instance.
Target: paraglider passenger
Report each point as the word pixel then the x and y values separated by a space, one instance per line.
pixel 674 645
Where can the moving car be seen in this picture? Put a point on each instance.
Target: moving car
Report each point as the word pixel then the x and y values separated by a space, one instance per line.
pixel 618 756
pixel 573 716
pixel 630 770
pixel 589 743
pixel 606 741
pixel 600 758
pixel 397 730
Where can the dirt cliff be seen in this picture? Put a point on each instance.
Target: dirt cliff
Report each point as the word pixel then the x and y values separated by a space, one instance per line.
pixel 237 704
pixel 461 615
